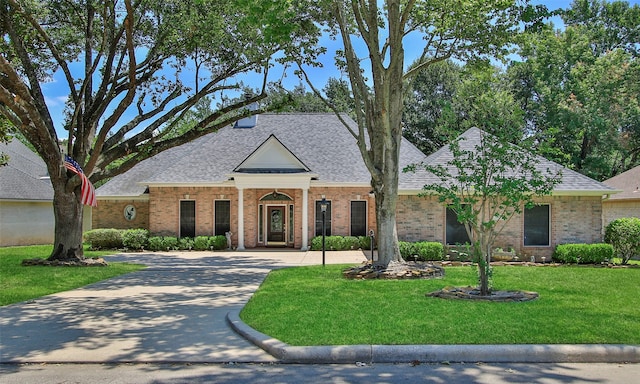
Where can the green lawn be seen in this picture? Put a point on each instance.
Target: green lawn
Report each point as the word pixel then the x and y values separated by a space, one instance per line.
pixel 316 306
pixel 18 283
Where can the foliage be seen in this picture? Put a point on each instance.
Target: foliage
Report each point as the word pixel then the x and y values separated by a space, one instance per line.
pixel 19 283
pixel 218 242
pixel 169 243
pixel 107 238
pixel 428 94
pixel 201 243
pixel 133 72
pixel 422 251
pixel 580 90
pixel 486 182
pixel 624 235
pixel 135 238
pixel 468 31
pixel 583 253
pixel 317 306
pixel 341 243
pixel 185 243
pixel 156 243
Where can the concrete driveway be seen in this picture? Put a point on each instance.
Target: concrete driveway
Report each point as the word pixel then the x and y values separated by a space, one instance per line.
pixel 172 311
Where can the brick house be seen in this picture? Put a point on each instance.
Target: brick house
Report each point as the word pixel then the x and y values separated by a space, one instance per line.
pixel 263 180
pixel 627 202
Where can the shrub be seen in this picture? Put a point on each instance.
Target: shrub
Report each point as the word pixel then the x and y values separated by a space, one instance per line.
pixel 185 243
pixel 406 250
pixel 624 235
pixel 107 238
pixel 135 238
pixel 424 250
pixel 218 242
pixel 583 253
pixel 169 243
pixel 364 242
pixel 155 244
pixel 201 243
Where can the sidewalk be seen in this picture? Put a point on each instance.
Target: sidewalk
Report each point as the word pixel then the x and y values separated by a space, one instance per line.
pixel 172 311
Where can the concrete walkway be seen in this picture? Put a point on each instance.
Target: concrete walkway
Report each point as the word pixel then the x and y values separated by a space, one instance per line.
pixel 173 311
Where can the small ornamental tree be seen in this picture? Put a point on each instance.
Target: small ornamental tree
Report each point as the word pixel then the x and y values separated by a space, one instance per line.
pixel 486 182
pixel 624 235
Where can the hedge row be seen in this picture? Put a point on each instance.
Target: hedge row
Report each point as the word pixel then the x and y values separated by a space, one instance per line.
pixel 583 253
pixel 422 251
pixel 341 243
pixel 139 239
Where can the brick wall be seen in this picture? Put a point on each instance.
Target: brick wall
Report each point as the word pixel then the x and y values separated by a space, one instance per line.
pixel 574 219
pixel 616 209
pixel 110 214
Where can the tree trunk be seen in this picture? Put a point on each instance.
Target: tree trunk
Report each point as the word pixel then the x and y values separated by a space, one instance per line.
pixel 387 233
pixel 67 211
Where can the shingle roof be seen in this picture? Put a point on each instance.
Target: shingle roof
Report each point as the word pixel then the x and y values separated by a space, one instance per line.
pixel 25 176
pixel 628 182
pixel 318 140
pixel 571 183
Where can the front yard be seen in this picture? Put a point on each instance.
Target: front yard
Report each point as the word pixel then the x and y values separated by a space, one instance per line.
pixel 316 306
pixel 18 283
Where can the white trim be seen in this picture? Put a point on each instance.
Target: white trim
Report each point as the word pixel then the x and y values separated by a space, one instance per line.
pixel 305 219
pixel 271 180
pixel 240 219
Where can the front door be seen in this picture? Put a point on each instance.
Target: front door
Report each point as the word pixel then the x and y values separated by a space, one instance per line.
pixel 276 226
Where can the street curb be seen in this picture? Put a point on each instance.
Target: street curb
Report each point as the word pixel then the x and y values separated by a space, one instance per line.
pixel 511 353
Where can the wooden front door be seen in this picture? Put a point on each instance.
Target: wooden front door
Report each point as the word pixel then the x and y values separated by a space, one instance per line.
pixel 276 226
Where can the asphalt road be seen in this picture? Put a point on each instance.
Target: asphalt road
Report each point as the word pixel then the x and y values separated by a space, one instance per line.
pixel 338 374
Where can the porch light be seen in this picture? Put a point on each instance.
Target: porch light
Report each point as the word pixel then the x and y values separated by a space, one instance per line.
pixel 323 207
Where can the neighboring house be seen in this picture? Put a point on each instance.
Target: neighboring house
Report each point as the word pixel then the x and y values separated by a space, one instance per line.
pixel 26 195
pixel 626 203
pixel 263 180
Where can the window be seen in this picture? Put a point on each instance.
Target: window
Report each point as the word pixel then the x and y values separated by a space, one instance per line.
pixel 455 230
pixel 187 218
pixel 319 219
pixel 537 226
pixel 358 218
pixel 222 217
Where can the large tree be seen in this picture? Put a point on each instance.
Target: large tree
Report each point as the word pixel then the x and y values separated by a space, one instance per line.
pixel 133 69
pixel 376 37
pixel 580 88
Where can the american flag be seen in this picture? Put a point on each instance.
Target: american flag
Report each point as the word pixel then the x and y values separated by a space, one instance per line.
pixel 88 192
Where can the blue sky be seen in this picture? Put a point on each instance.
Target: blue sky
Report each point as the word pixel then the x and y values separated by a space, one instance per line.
pixel 56 91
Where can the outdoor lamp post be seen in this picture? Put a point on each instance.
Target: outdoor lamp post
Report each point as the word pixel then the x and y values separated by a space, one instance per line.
pixel 323 207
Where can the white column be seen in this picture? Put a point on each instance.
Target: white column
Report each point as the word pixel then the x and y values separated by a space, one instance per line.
pixel 305 219
pixel 240 219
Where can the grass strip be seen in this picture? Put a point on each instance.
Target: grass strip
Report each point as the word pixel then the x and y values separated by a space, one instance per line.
pixel 19 283
pixel 316 306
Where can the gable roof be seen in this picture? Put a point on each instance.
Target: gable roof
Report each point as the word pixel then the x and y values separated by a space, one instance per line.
pixel 316 143
pixel 271 157
pixel 319 142
pixel 25 176
pixel 572 183
pixel 628 182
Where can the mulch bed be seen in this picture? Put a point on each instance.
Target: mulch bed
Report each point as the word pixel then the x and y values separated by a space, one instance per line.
pixel 97 262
